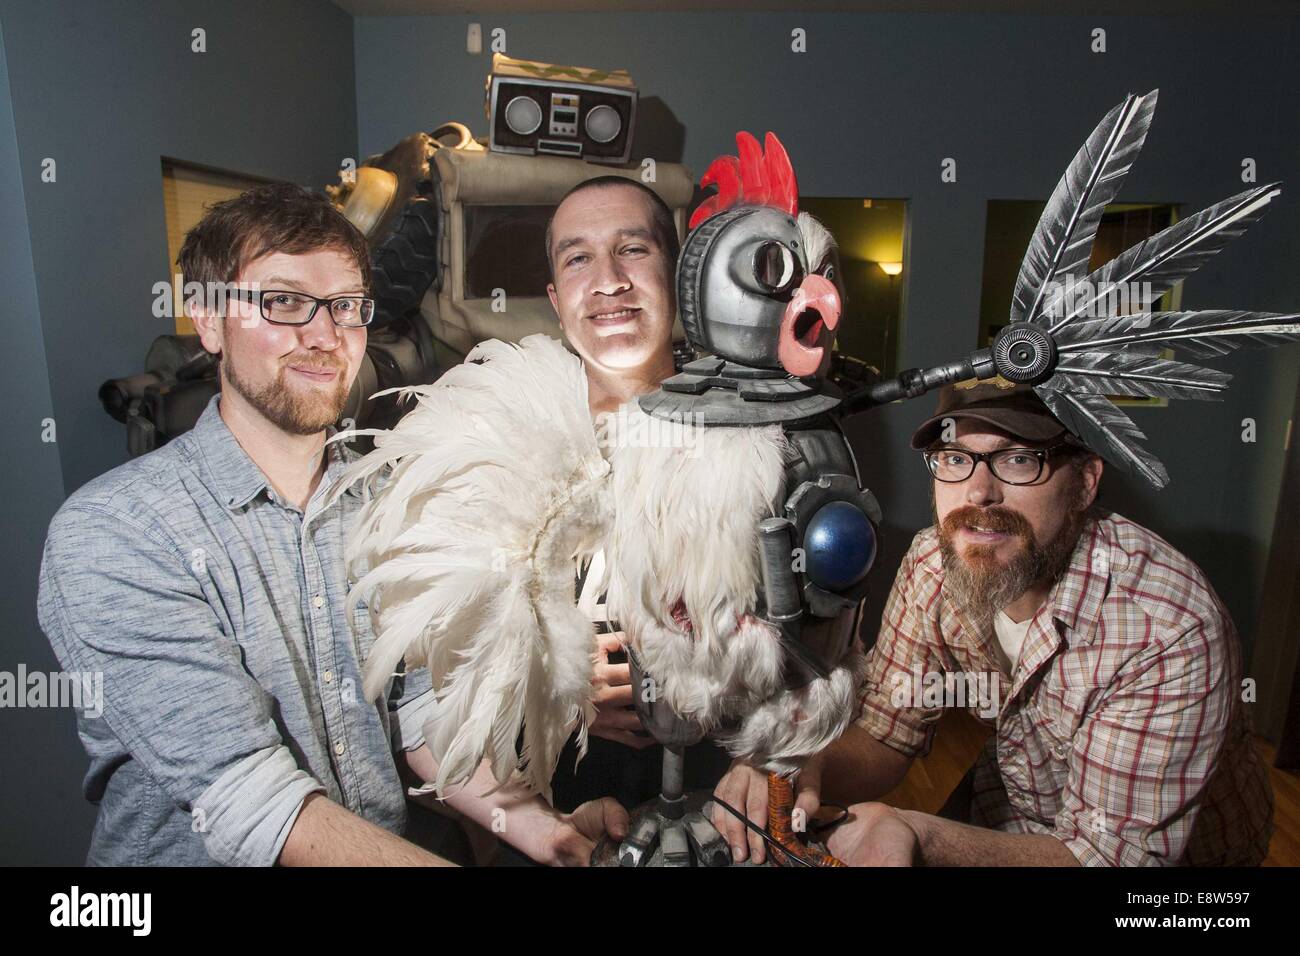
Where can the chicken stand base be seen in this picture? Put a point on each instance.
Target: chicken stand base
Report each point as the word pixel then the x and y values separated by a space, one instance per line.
pixel 674 828
pixel 670 830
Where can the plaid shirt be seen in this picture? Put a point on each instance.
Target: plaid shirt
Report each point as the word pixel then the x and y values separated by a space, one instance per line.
pixel 1121 730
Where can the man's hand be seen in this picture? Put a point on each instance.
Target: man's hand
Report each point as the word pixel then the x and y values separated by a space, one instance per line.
pixel 616 720
pixel 875 835
pixel 576 833
pixel 746 789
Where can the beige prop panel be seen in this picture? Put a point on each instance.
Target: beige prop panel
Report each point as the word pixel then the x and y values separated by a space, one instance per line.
pixel 486 178
pixel 370 198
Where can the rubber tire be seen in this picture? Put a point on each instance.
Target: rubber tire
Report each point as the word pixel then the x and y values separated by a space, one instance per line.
pixel 404 263
pixel 404 257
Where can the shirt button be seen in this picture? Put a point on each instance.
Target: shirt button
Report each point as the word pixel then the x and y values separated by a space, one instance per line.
pixel 329 677
pixel 1061 750
pixel 318 601
pixel 339 748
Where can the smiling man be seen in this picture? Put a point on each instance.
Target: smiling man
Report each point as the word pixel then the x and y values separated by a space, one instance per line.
pixel 205 581
pixel 612 247
pixel 1119 733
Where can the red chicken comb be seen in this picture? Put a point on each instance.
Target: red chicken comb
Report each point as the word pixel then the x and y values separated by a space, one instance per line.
pixel 753 177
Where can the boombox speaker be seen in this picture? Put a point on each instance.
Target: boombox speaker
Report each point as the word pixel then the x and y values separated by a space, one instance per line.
pixel 560 110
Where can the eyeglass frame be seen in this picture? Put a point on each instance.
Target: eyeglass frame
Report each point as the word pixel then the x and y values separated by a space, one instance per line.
pixel 247 296
pixel 1042 454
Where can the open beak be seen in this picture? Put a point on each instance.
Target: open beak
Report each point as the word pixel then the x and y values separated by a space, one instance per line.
pixel 808 326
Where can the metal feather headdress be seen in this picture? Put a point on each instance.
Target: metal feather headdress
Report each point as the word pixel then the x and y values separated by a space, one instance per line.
pixel 1078 336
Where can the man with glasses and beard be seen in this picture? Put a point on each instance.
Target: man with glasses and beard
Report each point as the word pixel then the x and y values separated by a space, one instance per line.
pixel 206 583
pixel 1119 738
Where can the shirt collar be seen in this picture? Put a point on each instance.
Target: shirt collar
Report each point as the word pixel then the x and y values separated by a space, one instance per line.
pixel 233 474
pixel 1078 596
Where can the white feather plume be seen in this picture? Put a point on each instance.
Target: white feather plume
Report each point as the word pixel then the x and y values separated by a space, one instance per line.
pixel 819 244
pixel 478 502
pixel 684 585
pixel 781 733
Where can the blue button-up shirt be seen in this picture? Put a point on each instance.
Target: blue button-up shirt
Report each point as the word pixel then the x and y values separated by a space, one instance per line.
pixel 216 613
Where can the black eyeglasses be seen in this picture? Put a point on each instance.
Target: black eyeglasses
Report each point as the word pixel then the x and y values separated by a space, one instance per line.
pixel 285 307
pixel 1014 466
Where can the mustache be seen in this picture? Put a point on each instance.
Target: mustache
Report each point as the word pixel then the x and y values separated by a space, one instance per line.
pixel 322 364
pixel 992 518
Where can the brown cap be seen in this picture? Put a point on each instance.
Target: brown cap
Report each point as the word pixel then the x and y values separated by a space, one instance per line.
pixel 1013 408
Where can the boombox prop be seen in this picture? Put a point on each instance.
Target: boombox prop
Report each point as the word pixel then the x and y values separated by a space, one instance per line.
pixel 560 110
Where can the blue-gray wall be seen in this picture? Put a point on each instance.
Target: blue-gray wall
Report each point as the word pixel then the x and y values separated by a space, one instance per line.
pixel 39 758
pixel 107 89
pixel 874 106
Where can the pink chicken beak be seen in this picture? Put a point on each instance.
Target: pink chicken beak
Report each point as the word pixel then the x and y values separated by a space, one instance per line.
pixel 808 325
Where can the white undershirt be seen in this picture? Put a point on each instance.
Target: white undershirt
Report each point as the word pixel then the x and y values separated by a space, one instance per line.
pixel 1011 636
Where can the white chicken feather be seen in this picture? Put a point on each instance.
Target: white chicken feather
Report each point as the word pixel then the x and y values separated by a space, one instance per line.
pixel 684 584
pixel 477 504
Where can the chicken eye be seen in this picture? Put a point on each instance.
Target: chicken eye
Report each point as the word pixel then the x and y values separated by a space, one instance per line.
pixel 829 273
pixel 773 266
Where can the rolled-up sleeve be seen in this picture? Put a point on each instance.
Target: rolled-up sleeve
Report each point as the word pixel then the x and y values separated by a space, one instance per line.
pixel 247 813
pixel 117 599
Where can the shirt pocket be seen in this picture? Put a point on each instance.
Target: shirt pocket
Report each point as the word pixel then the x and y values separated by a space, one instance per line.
pixel 1057 722
pixel 1059 716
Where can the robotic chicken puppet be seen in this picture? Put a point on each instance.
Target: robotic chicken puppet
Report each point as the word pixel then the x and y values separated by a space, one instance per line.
pixel 742 536
pixel 735 528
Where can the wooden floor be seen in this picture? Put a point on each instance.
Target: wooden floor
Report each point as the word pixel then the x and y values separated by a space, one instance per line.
pixel 960 737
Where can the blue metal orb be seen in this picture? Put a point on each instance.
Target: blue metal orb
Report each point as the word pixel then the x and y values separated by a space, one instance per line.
pixel 840 544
